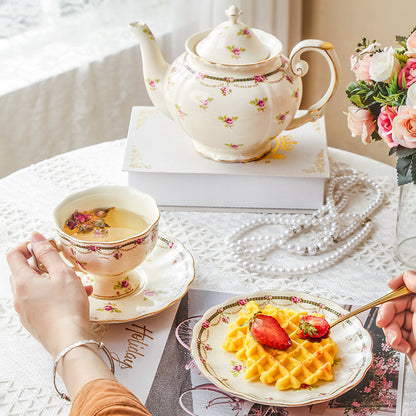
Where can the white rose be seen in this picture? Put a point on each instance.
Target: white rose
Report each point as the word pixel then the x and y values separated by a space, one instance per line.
pixel 411 96
pixel 384 65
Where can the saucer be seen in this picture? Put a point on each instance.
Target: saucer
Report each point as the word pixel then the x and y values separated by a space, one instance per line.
pixel 167 273
pixel 222 368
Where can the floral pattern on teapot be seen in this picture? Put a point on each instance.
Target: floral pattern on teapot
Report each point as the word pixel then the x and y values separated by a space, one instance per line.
pixel 260 103
pixel 244 32
pixel 235 51
pixel 235 77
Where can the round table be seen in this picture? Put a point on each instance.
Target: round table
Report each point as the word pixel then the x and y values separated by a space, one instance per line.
pixel 27 199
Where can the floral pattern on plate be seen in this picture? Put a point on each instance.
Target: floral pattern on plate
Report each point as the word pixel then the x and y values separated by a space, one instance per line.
pixel 352 361
pixel 167 272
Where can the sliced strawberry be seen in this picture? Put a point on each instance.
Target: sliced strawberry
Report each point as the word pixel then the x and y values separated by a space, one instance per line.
pixel 267 330
pixel 313 327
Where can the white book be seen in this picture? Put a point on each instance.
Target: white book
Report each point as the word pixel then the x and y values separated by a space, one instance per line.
pixel 160 160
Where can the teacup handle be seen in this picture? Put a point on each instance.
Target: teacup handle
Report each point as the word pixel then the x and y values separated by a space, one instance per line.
pixel 298 67
pixel 39 266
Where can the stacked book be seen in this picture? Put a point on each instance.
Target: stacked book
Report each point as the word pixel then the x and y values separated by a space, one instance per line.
pixel 160 160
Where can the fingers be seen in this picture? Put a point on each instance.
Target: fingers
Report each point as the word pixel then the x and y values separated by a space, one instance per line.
pixel 47 255
pixel 397 338
pixel 407 278
pixel 396 281
pixel 388 310
pixel 17 259
pixel 392 310
pixel 89 290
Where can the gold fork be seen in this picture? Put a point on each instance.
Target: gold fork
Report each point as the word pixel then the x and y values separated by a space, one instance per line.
pixel 400 291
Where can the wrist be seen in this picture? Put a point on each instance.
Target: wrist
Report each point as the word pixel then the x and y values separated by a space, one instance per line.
pixel 64 340
pixel 80 363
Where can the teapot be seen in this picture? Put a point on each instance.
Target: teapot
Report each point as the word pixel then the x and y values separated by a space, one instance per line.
pixel 232 91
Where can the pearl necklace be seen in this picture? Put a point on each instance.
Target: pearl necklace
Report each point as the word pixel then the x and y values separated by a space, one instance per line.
pixel 341 233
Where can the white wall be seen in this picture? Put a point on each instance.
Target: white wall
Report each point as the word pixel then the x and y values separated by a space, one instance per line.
pixel 344 23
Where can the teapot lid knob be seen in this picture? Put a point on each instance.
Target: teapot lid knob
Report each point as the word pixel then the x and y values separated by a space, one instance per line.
pixel 233 13
pixel 234 43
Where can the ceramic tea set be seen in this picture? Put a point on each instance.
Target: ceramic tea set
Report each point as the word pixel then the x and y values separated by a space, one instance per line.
pixel 132 277
pixel 232 91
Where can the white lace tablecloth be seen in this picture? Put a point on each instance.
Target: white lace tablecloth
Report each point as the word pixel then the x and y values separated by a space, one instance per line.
pixel 28 197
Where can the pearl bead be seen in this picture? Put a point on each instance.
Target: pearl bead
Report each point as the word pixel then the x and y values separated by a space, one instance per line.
pixel 290 248
pixel 299 250
pixel 333 223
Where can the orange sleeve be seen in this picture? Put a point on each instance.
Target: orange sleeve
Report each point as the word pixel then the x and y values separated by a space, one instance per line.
pixel 106 397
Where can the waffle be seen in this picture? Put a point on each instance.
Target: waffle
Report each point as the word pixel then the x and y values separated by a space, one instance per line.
pixel 303 363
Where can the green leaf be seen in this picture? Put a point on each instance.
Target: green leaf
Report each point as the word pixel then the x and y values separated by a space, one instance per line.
pixel 404 151
pixel 376 136
pixel 355 99
pixel 403 167
pixel 401 38
pixel 393 150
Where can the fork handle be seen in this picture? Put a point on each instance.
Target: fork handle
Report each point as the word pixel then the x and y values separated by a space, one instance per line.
pixel 400 291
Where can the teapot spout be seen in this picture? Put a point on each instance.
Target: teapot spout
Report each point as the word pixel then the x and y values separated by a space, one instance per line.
pixel 154 65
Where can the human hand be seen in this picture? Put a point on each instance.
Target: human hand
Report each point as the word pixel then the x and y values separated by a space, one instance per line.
pixel 397 318
pixel 54 307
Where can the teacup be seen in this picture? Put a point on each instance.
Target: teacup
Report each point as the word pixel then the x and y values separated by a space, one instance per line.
pixel 109 266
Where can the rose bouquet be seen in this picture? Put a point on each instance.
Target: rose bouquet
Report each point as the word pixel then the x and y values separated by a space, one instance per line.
pixel 384 100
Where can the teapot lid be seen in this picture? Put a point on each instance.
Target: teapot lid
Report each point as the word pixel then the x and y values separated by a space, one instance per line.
pixel 232 43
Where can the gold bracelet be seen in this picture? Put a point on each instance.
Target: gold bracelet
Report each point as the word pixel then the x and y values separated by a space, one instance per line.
pixel 62 354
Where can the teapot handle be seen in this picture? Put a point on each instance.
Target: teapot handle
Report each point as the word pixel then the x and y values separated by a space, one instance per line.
pixel 297 67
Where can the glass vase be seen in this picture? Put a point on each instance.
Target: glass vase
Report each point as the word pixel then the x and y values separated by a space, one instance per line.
pixel 406 226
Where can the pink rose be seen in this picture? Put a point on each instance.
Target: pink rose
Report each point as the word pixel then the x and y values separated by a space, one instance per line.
pixel 361 67
pixel 404 127
pixel 361 123
pixel 411 45
pixel 385 124
pixel 259 78
pixel 408 72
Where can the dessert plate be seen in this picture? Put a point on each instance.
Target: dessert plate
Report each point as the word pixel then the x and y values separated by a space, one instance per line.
pixel 167 273
pixel 222 368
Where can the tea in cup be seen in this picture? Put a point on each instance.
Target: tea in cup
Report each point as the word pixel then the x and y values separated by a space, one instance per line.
pixel 106 232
